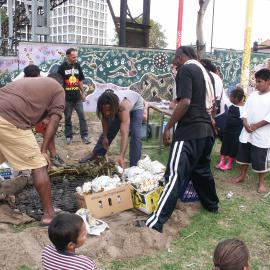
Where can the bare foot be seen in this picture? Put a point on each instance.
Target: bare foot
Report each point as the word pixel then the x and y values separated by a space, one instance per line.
pixel 238 179
pixel 46 219
pixel 261 189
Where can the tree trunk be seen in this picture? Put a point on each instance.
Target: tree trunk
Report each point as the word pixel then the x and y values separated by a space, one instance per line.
pixel 199 28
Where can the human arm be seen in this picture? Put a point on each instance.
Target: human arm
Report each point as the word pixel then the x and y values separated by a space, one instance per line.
pixel 260 124
pixel 184 95
pixel 105 128
pixel 246 125
pixel 50 132
pixel 179 112
pixel 124 130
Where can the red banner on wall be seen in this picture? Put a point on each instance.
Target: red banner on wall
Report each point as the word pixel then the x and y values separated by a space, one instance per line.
pixel 179 24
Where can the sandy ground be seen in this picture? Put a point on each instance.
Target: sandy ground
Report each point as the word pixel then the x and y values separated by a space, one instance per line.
pixel 122 240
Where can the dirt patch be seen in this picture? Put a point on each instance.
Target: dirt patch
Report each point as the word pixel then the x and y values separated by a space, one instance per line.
pixel 122 240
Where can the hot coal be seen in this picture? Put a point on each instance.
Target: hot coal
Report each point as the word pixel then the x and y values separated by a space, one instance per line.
pixel 63 196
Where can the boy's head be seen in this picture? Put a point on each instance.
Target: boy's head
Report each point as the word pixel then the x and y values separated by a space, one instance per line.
pixel 67 232
pixel 31 71
pixel 231 254
pixel 262 79
pixel 107 105
pixel 237 95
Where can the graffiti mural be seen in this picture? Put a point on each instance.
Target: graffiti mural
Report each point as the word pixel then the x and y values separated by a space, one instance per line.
pixel 229 63
pixel 145 71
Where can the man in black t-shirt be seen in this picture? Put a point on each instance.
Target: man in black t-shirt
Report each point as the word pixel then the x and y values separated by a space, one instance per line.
pixel 72 74
pixel 192 141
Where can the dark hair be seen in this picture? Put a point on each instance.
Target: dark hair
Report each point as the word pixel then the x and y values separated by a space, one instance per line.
pixel 63 229
pixel 31 71
pixel 186 50
pixel 70 50
pixel 231 254
pixel 238 93
pixel 57 77
pixel 108 98
pixel 263 74
pixel 207 63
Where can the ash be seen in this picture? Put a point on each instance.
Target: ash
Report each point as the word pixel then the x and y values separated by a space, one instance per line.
pixel 63 196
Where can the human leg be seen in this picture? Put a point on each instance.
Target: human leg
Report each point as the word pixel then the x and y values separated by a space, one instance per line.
pixel 177 170
pixel 244 159
pixel 68 124
pixel 21 149
pixel 262 183
pixel 82 120
pixel 43 187
pixel 242 175
pixel 135 146
pixel 201 175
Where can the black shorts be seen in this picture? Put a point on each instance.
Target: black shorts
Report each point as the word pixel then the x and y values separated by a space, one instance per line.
pixel 256 156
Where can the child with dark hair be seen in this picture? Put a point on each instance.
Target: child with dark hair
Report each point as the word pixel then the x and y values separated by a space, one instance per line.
pixel 231 254
pixel 255 136
pixel 67 232
pixel 233 127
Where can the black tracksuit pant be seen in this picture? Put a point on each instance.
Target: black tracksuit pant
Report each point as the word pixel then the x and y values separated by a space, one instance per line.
pixel 188 160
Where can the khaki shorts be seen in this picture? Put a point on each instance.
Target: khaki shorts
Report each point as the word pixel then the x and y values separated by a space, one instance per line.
pixel 19 147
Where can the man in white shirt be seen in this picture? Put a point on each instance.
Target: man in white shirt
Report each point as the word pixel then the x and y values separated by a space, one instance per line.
pixel 255 136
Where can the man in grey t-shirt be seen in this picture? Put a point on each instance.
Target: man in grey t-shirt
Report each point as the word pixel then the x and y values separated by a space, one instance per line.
pixel 122 110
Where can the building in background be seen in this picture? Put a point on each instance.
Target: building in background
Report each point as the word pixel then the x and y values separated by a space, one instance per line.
pixel 80 21
pixel 70 21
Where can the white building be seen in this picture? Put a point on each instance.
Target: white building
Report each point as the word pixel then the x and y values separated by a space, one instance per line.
pixel 80 21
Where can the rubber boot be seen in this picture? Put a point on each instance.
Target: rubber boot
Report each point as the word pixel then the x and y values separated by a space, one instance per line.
pixel 228 166
pixel 221 162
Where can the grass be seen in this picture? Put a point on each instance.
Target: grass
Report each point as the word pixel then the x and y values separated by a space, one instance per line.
pixel 23 267
pixel 246 216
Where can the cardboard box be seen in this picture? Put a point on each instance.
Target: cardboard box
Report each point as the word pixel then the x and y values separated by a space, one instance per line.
pixel 106 203
pixel 147 202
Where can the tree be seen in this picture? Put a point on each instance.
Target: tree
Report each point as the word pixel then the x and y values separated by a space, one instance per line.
pixel 199 28
pixel 157 38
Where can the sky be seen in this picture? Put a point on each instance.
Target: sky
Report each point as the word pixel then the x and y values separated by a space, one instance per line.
pixel 229 21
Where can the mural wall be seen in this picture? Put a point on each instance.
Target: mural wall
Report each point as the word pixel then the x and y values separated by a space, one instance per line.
pixel 143 70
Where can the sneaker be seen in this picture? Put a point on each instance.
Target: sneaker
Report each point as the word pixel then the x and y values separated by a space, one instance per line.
pixel 88 158
pixel 68 140
pixel 57 161
pixel 85 140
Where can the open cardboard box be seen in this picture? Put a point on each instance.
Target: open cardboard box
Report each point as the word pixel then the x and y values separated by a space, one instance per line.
pixel 146 202
pixel 106 203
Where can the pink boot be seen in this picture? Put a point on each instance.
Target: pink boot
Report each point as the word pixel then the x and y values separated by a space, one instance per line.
pixel 227 166
pixel 221 162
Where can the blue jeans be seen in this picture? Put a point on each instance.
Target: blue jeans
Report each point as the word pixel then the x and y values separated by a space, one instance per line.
pixel 78 106
pixel 135 145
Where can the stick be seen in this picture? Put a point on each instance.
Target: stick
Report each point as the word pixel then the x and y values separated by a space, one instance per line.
pixel 189 235
pixel 264 201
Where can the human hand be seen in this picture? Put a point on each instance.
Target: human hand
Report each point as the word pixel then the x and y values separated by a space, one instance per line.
pixel 166 136
pixel 253 127
pixel 121 161
pixel 248 128
pixel 45 121
pixel 105 143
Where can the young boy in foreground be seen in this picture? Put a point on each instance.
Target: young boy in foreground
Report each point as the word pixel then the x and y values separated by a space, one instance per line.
pixel 67 232
pixel 255 137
